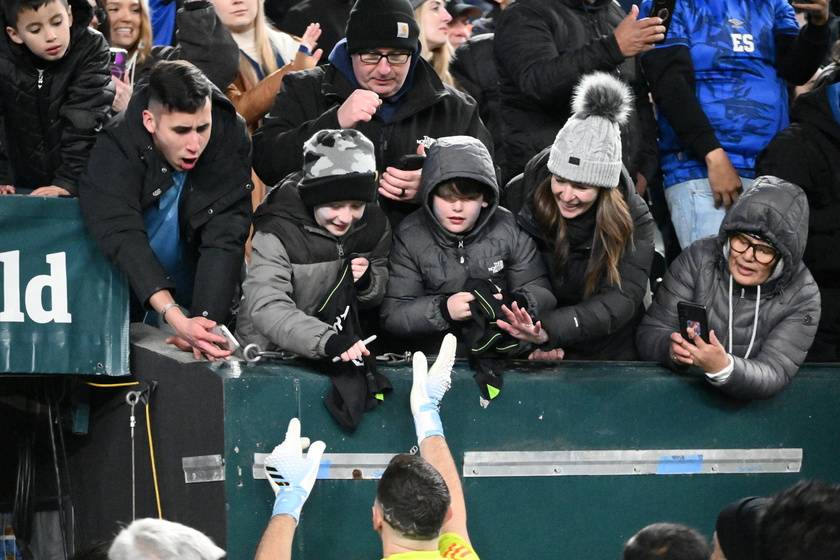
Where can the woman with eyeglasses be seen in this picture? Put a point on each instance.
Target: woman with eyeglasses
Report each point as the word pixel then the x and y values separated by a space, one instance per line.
pixel 762 303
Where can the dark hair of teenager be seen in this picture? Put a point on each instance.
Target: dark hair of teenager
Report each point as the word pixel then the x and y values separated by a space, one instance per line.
pixel 13 8
pixel 413 497
pixel 177 85
pixel 667 541
pixel 463 188
pixel 613 230
pixel 801 523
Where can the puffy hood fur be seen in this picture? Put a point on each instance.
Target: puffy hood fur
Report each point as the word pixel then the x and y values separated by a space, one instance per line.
pixel 777 211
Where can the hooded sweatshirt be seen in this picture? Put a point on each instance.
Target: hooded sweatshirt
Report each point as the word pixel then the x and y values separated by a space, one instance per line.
pixel 767 329
pixel 428 263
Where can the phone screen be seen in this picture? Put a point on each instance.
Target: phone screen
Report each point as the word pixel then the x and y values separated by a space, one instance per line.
pixel 119 59
pixel 692 316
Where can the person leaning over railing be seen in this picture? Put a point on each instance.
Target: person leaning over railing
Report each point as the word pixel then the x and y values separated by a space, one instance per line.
pixel 762 303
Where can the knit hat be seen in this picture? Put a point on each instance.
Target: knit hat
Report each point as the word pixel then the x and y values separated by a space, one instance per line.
pixel 338 165
pixel 587 149
pixel 377 24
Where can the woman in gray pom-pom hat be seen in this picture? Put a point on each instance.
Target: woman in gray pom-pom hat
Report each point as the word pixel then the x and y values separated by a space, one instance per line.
pixel 594 232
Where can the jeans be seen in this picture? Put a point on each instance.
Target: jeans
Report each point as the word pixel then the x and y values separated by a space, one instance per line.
pixel 693 211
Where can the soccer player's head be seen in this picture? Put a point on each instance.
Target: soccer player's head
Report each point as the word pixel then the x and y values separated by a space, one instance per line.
pixel 412 498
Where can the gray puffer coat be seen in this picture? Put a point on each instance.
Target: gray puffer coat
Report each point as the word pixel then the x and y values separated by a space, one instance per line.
pixel 782 313
pixel 428 263
pixel 295 262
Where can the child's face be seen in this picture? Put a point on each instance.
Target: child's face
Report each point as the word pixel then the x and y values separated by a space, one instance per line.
pixel 457 215
pixel 45 31
pixel 337 217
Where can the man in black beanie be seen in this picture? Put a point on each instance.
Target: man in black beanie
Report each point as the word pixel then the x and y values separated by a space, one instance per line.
pixel 378 84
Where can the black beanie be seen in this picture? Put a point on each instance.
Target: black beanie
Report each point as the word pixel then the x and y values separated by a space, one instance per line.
pixel 377 24
pixel 737 528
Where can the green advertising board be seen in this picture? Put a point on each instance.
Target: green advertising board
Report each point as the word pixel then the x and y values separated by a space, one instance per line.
pixel 64 307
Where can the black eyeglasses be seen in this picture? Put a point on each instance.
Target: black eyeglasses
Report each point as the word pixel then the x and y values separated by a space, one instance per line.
pixel 765 254
pixel 395 59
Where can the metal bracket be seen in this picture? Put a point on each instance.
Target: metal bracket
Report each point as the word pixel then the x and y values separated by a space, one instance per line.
pixel 204 468
pixel 340 466
pixel 628 462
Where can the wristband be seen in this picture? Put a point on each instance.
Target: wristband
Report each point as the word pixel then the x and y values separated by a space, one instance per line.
pixel 166 308
pixel 427 422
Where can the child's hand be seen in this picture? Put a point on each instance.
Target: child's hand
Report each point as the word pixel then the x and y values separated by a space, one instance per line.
pixel 123 96
pixel 51 190
pixel 458 306
pixel 7 189
pixel 359 266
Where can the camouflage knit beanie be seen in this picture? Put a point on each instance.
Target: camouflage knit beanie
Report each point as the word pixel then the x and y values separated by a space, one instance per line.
pixel 338 165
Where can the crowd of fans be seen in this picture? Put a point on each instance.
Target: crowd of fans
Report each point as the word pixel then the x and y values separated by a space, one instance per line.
pixel 401 178
pixel 532 236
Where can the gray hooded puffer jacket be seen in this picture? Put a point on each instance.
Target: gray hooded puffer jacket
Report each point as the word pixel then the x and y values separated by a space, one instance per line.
pixel 428 263
pixel 782 314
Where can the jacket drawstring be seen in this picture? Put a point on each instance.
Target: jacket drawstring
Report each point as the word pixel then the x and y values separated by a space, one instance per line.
pixel 755 319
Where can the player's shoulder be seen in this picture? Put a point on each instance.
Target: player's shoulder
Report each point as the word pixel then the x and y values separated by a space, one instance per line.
pixel 453 546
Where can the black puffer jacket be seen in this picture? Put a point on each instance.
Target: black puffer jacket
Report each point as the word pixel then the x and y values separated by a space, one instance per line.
pixel 428 263
pixel 52 111
pixel 474 71
pixel 542 49
pixel 309 101
pixel 127 175
pixel 201 40
pixel 782 315
pixel 601 326
pixel 807 153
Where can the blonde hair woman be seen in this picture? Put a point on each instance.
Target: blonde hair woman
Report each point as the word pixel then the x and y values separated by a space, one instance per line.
pixel 266 55
pixel 594 232
pixel 202 40
pixel 433 19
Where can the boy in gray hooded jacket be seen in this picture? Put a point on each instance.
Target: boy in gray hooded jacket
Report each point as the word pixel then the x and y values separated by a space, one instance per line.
pixel 459 238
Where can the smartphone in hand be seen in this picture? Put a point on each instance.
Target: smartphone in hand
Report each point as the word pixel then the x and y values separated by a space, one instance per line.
pixel 692 316
pixel 119 59
pixel 663 9
pixel 411 162
pixel 231 344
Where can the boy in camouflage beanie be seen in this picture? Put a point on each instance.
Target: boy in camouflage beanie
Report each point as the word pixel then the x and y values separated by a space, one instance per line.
pixel 305 232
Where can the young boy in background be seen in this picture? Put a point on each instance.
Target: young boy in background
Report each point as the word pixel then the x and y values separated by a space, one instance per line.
pixel 55 94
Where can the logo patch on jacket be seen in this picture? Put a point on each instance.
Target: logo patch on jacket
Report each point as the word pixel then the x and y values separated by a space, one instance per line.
pixel 497 267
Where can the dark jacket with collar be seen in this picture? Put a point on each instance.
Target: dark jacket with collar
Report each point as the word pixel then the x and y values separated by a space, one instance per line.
pixel 294 264
pixel 542 49
pixel 51 111
pixel 308 101
pixel 428 263
pixel 807 153
pixel 127 175
pixel 788 309
pixel 602 325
